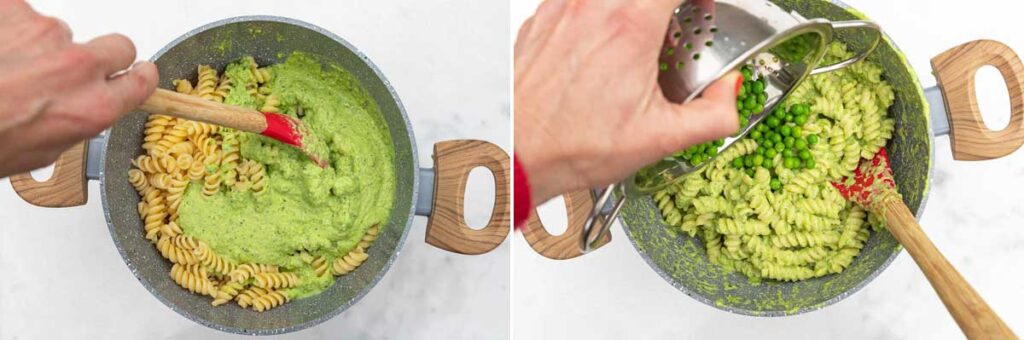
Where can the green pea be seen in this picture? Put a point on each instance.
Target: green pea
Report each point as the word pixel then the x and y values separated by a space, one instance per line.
pixel 663 66
pixel 739 104
pixel 759 151
pixel 719 142
pixel 697 160
pixel 758 160
pixel 711 152
pixel 805 154
pixel 799 109
pixel 812 139
pixel 777 138
pixel 772 122
pixel 743 92
pixel 746 73
pixel 760 141
pixel 788 153
pixel 767 163
pixel 767 143
pixel 779 113
pixel 800 120
pixel 797 132
pixel 755 134
pixel 750 172
pixel 761 127
pixel 737 162
pixel 786 130
pixel 810 164
pixel 744 112
pixel 789 141
pixel 761 98
pixel 748 161
pixel 758 87
pixel 770 153
pixel 775 184
pixel 779 146
pixel 794 163
pixel 801 144
pixel 744 122
pixel 750 103
pixel 789 117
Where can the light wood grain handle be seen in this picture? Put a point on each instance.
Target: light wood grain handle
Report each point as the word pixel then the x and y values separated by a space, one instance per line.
pixel 975 317
pixel 578 205
pixel 954 70
pixel 66 188
pixel 446 226
pixel 175 104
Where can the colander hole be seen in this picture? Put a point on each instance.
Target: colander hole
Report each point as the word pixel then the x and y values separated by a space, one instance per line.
pixel 680 65
pixel 670 51
pixel 713 29
pixel 687 20
pixel 709 43
pixel 708 17
pixel 696 10
pixel 697 31
pixel 663 66
pixel 696 56
pixel 677 35
pixel 688 46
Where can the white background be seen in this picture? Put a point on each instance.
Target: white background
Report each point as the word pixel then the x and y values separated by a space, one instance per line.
pixel 974 215
pixel 61 277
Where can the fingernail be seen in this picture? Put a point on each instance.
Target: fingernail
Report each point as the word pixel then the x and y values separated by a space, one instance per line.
pixel 739 83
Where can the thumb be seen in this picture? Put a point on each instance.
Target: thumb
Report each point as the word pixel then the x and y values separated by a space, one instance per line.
pixel 709 117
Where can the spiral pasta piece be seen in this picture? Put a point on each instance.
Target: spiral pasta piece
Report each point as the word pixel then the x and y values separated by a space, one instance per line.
pixel 275 280
pixel 246 270
pixel 210 260
pixel 245 297
pixel 173 253
pixel 185 276
pixel 349 262
pixel 269 300
pixel 369 237
pixel 227 292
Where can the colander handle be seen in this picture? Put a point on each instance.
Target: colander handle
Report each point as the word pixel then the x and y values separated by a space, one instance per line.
pixel 579 205
pixel 954 70
pixel 853 24
pixel 66 188
pixel 446 224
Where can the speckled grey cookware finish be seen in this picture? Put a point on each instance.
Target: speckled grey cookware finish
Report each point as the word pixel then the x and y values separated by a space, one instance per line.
pixel 269 40
pixel 682 261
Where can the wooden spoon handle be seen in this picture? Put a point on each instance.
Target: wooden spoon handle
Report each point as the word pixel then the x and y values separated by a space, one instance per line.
pixel 194 108
pixel 975 317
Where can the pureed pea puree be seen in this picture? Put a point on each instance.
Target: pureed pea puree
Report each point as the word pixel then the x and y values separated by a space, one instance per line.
pixel 305 207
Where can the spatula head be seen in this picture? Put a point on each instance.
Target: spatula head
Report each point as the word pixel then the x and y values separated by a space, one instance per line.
pixel 871 178
pixel 294 132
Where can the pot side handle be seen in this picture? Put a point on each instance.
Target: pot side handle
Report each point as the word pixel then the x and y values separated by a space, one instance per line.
pixel 954 70
pixel 66 188
pixel 446 225
pixel 578 205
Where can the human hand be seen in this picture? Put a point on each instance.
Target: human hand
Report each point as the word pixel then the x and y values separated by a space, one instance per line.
pixel 54 92
pixel 588 109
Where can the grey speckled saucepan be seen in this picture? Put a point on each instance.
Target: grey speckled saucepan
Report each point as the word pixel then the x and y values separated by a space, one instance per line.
pixel 436 193
pixel 949 108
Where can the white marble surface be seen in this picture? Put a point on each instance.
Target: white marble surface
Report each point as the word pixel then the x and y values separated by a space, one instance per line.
pixel 974 215
pixel 61 278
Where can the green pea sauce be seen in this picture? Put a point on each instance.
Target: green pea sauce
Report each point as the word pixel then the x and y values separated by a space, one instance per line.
pixel 323 211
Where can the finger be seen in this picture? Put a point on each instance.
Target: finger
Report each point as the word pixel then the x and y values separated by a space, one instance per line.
pixel 114 52
pixel 64 29
pixel 709 117
pixel 132 88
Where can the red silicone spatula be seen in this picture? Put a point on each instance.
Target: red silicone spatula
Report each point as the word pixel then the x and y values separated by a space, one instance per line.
pixel 281 127
pixel 872 187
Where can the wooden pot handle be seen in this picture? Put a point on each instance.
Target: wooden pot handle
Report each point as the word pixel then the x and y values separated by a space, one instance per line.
pixel 975 318
pixel 578 205
pixel 66 188
pixel 446 225
pixel 954 70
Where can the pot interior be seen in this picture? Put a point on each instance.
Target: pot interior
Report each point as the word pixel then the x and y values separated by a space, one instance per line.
pixel 269 40
pixel 683 262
